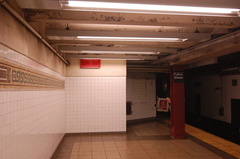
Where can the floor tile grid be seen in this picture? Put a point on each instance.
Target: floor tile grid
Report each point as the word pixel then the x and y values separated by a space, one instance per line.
pixel 117 147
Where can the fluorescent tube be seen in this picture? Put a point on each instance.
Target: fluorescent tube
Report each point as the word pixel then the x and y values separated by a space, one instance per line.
pixel 118 52
pixel 99 38
pixel 149 8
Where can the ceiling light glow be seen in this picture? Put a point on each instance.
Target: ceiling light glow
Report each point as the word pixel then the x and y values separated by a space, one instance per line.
pixel 99 38
pixel 149 8
pixel 118 52
pixel 114 57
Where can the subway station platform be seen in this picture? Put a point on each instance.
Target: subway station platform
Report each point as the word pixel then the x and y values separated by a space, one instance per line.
pixel 146 140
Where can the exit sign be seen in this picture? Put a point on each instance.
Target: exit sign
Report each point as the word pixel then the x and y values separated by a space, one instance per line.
pixel 85 63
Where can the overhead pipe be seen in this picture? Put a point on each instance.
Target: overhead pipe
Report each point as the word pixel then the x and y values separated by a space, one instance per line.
pixel 27 25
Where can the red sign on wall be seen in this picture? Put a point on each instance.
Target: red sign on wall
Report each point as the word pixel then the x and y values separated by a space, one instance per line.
pixel 86 63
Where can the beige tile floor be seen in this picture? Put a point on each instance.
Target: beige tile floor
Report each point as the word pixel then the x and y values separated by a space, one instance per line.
pixel 147 140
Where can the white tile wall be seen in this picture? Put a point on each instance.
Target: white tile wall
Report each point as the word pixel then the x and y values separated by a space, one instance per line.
pixel 31 123
pixel 212 99
pixel 95 104
pixel 142 94
pixel 230 92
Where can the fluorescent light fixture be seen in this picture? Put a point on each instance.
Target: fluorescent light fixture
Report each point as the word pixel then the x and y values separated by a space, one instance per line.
pixel 148 8
pixel 101 38
pixel 114 57
pixel 118 52
pixel 105 58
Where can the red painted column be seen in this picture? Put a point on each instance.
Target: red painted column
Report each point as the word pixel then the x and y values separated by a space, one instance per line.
pixel 177 97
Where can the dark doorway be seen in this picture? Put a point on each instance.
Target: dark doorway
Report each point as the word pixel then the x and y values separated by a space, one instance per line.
pixel 235 106
pixel 163 90
pixel 163 85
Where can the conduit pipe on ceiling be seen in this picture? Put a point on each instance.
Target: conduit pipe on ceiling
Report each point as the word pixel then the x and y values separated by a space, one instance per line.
pixel 25 23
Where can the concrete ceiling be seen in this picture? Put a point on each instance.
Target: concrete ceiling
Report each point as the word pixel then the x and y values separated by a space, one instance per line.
pixel 208 36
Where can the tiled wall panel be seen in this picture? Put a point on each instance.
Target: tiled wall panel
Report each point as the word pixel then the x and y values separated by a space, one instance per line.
pixel 142 94
pixel 230 91
pixel 31 123
pixel 32 120
pixel 220 90
pixel 209 108
pixel 95 104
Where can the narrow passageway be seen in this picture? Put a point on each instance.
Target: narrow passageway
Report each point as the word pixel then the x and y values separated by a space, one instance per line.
pixel 144 140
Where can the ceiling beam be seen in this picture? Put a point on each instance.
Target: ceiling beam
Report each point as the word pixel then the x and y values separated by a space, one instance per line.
pixel 149 70
pixel 146 66
pixel 156 69
pixel 88 17
pixel 217 47
pixel 112 57
pixel 63 42
pixel 66 49
pixel 68 33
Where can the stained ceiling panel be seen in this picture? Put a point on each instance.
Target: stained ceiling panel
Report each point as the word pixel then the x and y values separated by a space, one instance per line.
pixel 204 36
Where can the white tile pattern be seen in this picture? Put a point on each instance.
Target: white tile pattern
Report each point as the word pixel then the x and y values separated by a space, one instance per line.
pixel 31 123
pixel 95 104
pixel 230 92
pixel 142 94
